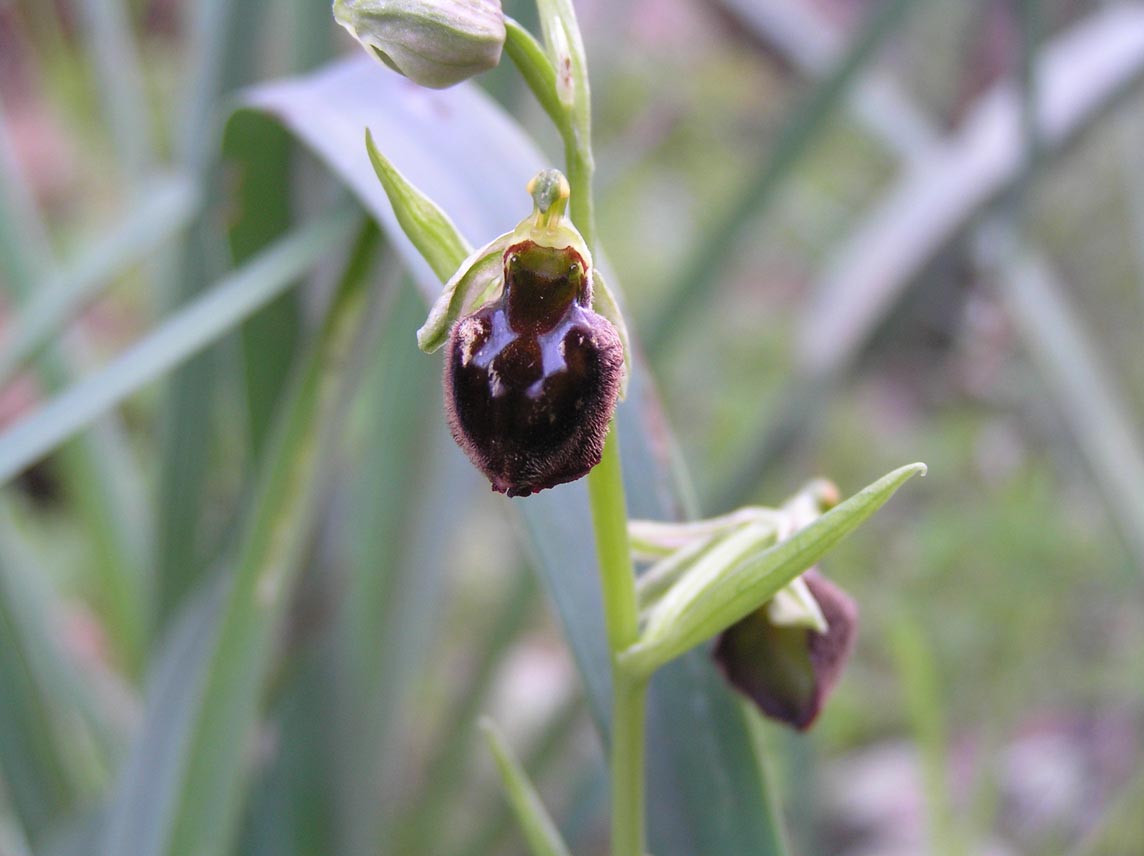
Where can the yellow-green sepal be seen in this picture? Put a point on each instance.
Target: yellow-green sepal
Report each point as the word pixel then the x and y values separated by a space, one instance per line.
pixel 473 284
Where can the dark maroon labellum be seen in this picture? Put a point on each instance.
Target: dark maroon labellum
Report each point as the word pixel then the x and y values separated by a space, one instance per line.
pixel 531 380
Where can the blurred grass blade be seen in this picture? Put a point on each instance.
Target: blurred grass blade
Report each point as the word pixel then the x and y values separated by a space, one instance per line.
pixel 98 472
pixel 259 160
pixel 139 808
pixel 408 479
pixel 225 37
pixel 39 773
pixel 539 831
pixel 190 330
pixel 472 159
pixel 1082 386
pixel 539 760
pixel 924 706
pixel 445 773
pixel 709 259
pixel 107 28
pixel 950 182
pixel 804 35
pixel 160 212
pixel 208 772
pixel 1081 73
pixel 289 809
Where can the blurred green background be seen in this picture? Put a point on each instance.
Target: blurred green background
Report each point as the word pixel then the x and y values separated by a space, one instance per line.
pixel 851 234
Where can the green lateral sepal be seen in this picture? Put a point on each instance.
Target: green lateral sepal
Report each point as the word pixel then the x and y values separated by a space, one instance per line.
pixel 604 302
pixel 474 283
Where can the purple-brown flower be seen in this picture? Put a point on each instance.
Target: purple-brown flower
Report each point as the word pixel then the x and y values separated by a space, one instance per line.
pixel 788 671
pixel 531 380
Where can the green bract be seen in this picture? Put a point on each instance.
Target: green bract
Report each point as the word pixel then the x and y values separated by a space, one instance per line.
pixel 436 44
pixel 744 562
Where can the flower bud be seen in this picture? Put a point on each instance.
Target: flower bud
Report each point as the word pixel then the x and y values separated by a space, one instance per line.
pixel 436 43
pixel 788 671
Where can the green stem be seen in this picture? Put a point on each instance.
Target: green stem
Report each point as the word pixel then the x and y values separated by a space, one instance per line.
pixel 610 520
pixel 621 615
pixel 605 481
pixel 627 763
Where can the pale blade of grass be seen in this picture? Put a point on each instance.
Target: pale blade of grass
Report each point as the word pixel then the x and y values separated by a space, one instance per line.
pixel 409 480
pixel 263 166
pixel 98 471
pixel 950 182
pixel 714 248
pixel 803 35
pixel 161 211
pixel 186 333
pixel 921 687
pixel 1070 363
pixel 224 42
pixel 208 766
pixel 1082 73
pixel 539 831
pixel 139 807
pixel 119 74
pixel 539 761
pixel 259 157
pixel 38 775
pixel 472 159
pixel 447 767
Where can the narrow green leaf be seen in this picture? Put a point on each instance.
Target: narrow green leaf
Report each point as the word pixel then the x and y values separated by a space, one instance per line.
pixel 186 333
pixel 425 224
pixel 107 28
pixel 224 37
pixel 539 831
pixel 210 769
pixel 160 212
pixel 445 773
pixel 539 758
pixel 34 762
pixel 688 615
pixel 260 153
pixel 714 248
pixel 407 480
pixel 925 706
pixel 98 471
